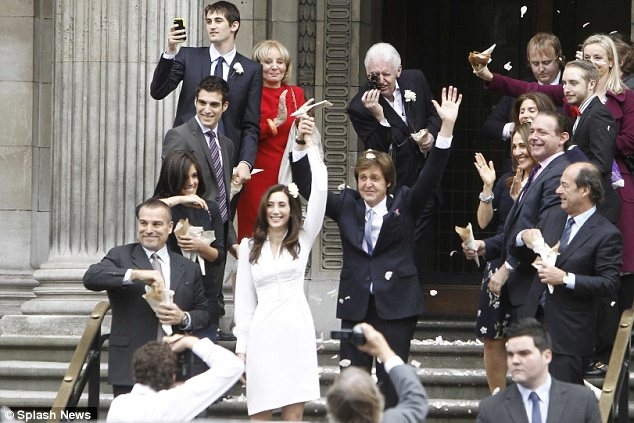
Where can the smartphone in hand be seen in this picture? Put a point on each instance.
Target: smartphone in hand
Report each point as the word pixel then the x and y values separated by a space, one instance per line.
pixel 180 25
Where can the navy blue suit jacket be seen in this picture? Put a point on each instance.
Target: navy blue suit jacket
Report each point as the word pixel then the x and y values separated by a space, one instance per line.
pixel 241 121
pixel 420 114
pixel 133 321
pixel 594 256
pixel 390 269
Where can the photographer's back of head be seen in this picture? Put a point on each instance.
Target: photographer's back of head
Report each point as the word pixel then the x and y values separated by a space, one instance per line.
pixel 354 398
pixel 154 365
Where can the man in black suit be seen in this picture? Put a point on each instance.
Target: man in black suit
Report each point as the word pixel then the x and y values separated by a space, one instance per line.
pixel 549 133
pixel 544 56
pixel 124 273
pixel 354 396
pixel 536 396
pixel 241 122
pixel 587 268
pixel 594 130
pixel 196 137
pixel 379 283
pixel 398 118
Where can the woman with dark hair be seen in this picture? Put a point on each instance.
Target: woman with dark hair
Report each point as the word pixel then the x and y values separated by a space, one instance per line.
pixel 496 200
pixel 180 187
pixel 274 327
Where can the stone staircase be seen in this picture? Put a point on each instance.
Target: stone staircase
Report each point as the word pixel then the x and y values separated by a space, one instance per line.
pixel 448 359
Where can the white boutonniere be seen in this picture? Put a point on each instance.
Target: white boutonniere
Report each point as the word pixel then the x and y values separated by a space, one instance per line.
pixel 293 190
pixel 237 66
pixel 410 96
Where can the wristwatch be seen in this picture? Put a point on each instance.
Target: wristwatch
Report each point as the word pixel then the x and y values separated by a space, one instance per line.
pixel 186 320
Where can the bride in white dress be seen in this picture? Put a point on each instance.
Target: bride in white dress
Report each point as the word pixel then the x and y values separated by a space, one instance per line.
pixel 274 327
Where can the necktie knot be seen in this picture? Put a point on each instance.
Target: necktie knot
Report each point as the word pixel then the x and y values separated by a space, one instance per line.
pixel 575 111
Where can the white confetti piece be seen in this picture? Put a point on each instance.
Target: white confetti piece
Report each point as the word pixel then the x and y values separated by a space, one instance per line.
pixel 345 363
pixel 585 24
pixel 508 66
pixel 523 10
pixel 388 275
pixel 415 363
pixel 433 292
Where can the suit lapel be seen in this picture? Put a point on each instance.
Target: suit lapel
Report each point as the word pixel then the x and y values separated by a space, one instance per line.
pixel 392 117
pixel 176 272
pixel 139 258
pixel 580 238
pixel 198 135
pixel 556 402
pixel 515 405
pixel 205 64
pixel 232 72
pixel 361 222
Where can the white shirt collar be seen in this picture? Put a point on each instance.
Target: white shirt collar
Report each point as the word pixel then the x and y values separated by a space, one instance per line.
pixel 380 209
pixel 214 54
pixel 581 218
pixel 206 128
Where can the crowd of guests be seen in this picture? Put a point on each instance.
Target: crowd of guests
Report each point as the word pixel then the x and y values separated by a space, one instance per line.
pixel 567 185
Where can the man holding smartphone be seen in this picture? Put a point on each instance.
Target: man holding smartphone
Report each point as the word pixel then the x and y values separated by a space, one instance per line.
pixel 241 121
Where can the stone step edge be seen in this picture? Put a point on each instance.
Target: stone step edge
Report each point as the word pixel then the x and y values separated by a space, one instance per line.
pixel 438 345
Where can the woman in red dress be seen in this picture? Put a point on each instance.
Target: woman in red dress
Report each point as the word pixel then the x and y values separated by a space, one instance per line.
pixel 279 100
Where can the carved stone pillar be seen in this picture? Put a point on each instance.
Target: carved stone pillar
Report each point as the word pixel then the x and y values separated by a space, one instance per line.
pixel 106 145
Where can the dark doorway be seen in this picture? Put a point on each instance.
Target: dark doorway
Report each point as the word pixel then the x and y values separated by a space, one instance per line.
pixel 436 37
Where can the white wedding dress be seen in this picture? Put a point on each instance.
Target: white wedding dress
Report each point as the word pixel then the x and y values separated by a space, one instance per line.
pixel 274 326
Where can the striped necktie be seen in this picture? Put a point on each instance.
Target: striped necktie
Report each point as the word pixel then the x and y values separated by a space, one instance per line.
pixel 218 174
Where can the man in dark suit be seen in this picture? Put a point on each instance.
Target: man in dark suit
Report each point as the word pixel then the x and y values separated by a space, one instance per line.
pixel 386 118
pixel 544 56
pixel 549 133
pixel 355 397
pixel 594 130
pixel 124 273
pixel 587 267
pixel 390 118
pixel 196 137
pixel 536 396
pixel 379 283
pixel 241 122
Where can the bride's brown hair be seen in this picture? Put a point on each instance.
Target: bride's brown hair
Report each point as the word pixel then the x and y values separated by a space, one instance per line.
pixel 261 227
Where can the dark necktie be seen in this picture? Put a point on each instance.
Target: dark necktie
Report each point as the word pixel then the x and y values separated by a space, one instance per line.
pixel 218 69
pixel 367 235
pixel 565 235
pixel 156 265
pixel 531 176
pixel 536 416
pixel 214 150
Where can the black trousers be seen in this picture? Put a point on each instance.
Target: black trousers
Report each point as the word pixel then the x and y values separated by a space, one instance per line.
pixel 398 334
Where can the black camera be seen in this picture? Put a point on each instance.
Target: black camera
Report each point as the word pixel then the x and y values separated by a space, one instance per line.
pixel 184 361
pixel 354 336
pixel 374 82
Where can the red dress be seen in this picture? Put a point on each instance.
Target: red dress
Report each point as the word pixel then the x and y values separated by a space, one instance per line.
pixel 269 156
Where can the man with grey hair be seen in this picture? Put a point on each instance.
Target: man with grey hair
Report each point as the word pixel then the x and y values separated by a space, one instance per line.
pixel 586 268
pixel 393 113
pixel 354 397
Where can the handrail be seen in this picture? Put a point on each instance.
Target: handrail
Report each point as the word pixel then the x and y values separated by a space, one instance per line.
pixel 90 340
pixel 616 385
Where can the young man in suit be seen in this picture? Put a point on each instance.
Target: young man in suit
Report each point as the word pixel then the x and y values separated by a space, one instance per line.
pixel 355 397
pixel 549 133
pixel 197 136
pixel 594 130
pixel 535 396
pixel 125 271
pixel 241 122
pixel 545 60
pixel 379 283
pixel 587 268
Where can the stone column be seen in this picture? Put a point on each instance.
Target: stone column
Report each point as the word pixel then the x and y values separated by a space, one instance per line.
pixel 106 140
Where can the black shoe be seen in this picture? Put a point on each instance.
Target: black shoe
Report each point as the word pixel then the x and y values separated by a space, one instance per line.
pixel 224 336
pixel 597 369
